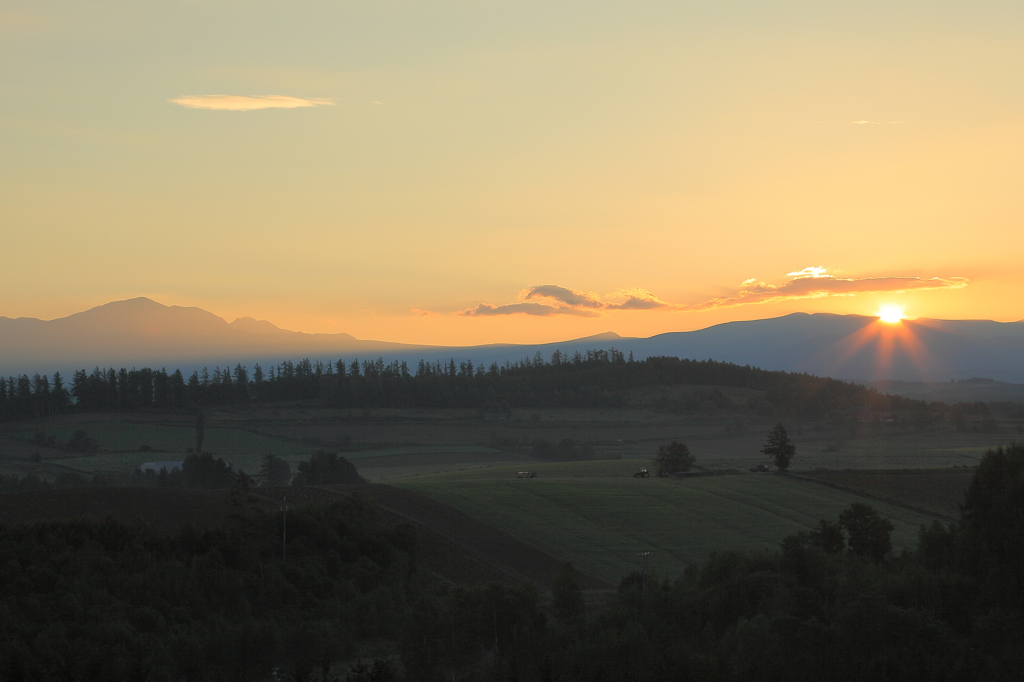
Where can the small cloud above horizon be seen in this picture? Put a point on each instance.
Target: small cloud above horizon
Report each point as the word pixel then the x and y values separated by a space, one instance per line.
pixel 636 299
pixel 532 309
pixel 558 300
pixel 247 103
pixel 561 295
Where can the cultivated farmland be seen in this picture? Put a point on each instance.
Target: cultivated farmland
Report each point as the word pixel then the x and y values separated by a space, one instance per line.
pixel 603 521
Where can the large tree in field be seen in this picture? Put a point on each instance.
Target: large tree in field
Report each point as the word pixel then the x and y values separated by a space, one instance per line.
pixel 779 447
pixel 672 458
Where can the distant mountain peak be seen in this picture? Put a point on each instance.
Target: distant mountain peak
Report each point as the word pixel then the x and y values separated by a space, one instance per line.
pixel 604 336
pixel 254 326
pixel 137 302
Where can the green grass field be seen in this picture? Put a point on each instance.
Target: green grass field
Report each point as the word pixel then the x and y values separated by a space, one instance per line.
pixel 129 435
pixel 597 516
pixel 169 442
pixel 420 450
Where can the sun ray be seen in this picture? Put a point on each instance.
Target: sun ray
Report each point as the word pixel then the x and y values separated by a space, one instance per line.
pixel 887 343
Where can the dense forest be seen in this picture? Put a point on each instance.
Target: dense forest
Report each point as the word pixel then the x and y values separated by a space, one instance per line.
pixel 104 600
pixel 594 379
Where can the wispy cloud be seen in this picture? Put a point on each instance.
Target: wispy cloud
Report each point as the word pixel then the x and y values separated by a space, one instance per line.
pixel 558 300
pixel 636 299
pixel 561 295
pixel 815 282
pixel 534 309
pixel 875 123
pixel 246 103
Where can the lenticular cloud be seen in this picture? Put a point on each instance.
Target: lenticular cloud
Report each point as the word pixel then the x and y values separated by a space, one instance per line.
pixel 246 103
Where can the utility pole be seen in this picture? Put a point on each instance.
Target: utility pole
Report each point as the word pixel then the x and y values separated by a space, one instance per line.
pixel 645 555
pixel 641 670
pixel 284 529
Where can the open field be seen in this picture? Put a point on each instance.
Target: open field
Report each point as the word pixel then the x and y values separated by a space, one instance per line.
pixel 386 465
pixel 603 521
pixel 440 440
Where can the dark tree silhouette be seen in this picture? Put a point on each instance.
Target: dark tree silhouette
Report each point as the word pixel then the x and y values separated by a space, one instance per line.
pixel 672 458
pixel 779 447
pixel 326 468
pixel 567 595
pixel 993 523
pixel 830 537
pixel 203 471
pixel 81 442
pixel 868 531
pixel 275 470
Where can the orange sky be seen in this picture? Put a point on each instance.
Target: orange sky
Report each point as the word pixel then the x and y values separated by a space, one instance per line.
pixel 386 169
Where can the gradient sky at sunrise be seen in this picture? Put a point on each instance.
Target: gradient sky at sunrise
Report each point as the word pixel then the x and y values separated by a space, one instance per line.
pixel 462 172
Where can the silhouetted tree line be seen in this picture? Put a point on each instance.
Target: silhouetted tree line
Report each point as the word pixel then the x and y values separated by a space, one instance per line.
pixel 203 470
pixel 104 600
pixel 596 378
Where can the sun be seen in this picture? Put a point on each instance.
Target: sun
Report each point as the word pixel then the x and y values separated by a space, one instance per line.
pixel 890 314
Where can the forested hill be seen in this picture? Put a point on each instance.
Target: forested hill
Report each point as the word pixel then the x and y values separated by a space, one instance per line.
pixel 596 378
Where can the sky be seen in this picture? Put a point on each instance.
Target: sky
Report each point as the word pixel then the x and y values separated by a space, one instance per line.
pixel 465 171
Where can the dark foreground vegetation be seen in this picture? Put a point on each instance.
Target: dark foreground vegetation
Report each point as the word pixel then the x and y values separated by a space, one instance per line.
pixel 103 600
pixel 595 379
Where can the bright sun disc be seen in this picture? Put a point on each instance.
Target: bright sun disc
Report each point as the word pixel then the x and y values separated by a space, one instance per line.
pixel 890 314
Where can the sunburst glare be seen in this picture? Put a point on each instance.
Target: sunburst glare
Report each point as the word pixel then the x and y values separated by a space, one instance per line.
pixel 890 314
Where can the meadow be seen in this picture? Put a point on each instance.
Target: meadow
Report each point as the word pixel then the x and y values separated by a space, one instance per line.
pixel 597 515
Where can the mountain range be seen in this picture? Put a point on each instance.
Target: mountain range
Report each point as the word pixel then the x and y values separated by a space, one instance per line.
pixel 141 332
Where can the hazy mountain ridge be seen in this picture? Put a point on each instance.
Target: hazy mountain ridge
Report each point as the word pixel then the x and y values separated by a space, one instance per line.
pixel 141 332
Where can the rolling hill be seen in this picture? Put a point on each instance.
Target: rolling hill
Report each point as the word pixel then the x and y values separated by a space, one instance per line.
pixel 141 332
